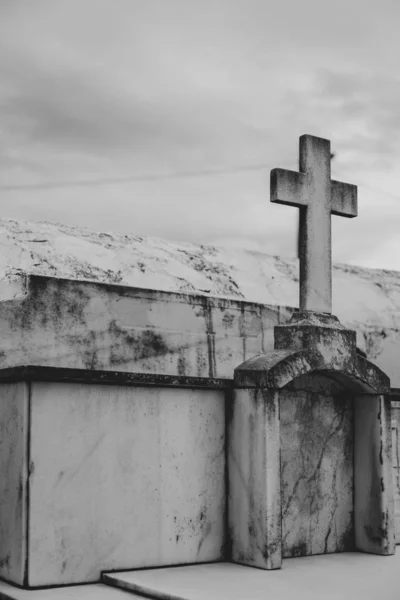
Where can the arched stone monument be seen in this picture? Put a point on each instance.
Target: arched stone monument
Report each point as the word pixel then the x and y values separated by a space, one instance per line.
pixel 309 429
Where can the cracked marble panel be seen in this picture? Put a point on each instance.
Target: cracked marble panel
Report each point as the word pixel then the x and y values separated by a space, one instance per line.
pixel 316 420
pixel 122 478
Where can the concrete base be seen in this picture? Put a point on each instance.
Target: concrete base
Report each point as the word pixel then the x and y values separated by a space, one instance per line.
pixel 346 576
pixel 96 591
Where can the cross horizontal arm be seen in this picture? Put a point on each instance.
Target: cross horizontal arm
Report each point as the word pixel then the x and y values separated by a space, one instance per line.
pixel 288 187
pixel 343 199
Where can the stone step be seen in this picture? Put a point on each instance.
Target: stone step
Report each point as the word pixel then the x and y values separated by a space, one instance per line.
pixel 96 591
pixel 330 576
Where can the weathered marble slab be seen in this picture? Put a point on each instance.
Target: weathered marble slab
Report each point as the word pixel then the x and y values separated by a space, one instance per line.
pixel 395 405
pixel 373 475
pixel 89 325
pixel 13 480
pixel 254 499
pixel 396 472
pixel 83 324
pixel 124 477
pixel 316 467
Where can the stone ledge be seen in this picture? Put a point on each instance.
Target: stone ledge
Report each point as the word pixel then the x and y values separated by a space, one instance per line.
pixel 32 282
pixel 65 375
pixel 309 317
pixel 91 591
pixel 345 575
pixel 278 367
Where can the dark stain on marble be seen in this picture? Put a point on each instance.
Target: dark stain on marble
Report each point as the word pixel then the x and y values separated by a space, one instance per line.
pixel 270 548
pixel 145 345
pixel 299 549
pixel 5 562
pixel 199 527
pixel 227 320
pixel 375 529
pixel 181 363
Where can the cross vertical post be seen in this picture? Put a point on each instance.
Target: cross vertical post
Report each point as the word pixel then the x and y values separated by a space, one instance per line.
pixel 317 196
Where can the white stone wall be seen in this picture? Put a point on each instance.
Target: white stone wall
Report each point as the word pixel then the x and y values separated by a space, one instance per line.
pixel 123 477
pixel 316 426
pixel 13 480
pixel 81 324
pixel 87 325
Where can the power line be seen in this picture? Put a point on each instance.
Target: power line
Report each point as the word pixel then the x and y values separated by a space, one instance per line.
pixel 104 181
pixel 115 180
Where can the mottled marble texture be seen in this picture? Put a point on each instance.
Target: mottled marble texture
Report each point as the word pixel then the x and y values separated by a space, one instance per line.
pixel 254 510
pixel 82 324
pixel 396 468
pixel 373 475
pixel 124 477
pixel 14 409
pixel 316 421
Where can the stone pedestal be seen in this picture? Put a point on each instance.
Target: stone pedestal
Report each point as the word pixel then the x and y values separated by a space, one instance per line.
pixel 309 448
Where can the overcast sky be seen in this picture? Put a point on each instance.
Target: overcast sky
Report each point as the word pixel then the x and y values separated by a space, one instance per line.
pixel 107 90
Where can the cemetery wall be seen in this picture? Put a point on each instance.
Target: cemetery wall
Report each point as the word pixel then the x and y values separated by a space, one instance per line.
pixel 396 459
pixel 104 460
pixel 90 325
pixel 13 481
pixel 86 325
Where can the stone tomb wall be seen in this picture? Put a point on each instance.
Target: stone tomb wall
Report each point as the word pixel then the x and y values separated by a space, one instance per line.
pixel 71 453
pixel 309 460
pixel 14 442
pixel 396 460
pixel 88 325
pixel 317 472
pixel 103 477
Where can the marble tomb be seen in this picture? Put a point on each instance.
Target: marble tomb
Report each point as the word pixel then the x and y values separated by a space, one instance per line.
pixel 184 429
pixel 309 434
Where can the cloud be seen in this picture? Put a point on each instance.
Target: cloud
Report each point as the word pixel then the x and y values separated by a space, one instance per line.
pixel 98 88
pixel 367 103
pixel 154 113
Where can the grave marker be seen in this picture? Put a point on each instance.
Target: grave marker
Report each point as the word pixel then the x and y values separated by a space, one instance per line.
pixel 309 435
pixel 317 197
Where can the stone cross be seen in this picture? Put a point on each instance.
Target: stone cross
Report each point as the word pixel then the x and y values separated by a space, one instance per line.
pixel 317 196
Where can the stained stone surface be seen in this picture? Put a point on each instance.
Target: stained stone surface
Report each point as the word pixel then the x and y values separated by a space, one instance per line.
pixel 396 465
pixel 123 477
pixel 13 480
pixel 253 469
pixel 82 324
pixel 373 475
pixel 316 467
